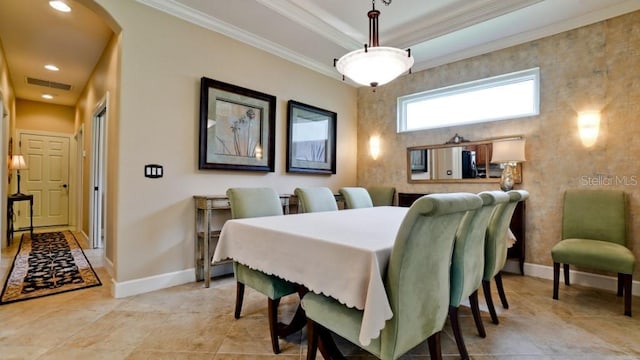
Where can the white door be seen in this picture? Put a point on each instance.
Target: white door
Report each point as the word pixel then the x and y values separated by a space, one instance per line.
pixel 47 178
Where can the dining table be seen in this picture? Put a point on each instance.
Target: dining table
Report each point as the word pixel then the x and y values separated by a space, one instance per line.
pixel 342 254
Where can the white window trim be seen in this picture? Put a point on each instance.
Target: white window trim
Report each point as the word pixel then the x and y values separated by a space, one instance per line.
pixel 495 81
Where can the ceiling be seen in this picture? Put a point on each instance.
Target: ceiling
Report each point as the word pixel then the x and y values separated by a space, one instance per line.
pixel 307 32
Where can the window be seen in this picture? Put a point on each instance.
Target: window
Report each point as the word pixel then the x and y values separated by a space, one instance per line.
pixel 500 97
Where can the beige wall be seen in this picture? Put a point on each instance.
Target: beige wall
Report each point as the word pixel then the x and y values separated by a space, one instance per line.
pixel 101 87
pixel 35 115
pixel 6 131
pixel 594 67
pixel 161 62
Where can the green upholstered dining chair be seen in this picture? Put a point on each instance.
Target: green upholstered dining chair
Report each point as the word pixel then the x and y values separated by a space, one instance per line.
pixel 382 195
pixel 594 235
pixel 495 249
pixel 467 264
pixel 314 199
pixel 249 203
pixel 356 197
pixel 416 281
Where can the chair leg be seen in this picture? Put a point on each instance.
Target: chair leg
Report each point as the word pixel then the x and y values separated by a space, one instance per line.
pixel 435 350
pixel 486 288
pixel 457 334
pixel 475 310
pixel 273 323
pixel 565 270
pixel 556 279
pixel 503 297
pixel 326 345
pixel 312 340
pixel 239 297
pixel 620 283
pixel 628 282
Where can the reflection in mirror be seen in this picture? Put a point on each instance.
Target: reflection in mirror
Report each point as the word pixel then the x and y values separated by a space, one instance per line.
pixel 462 162
pixel 419 164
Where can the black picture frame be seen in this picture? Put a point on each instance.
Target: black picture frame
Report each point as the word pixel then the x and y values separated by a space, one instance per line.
pixel 311 139
pixel 237 128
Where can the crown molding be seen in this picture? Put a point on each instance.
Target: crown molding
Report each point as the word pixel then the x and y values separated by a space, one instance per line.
pixel 451 20
pixel 314 18
pixel 536 34
pixel 212 23
pixel 431 28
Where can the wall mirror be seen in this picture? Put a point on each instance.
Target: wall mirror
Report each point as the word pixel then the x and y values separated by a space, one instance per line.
pixel 454 162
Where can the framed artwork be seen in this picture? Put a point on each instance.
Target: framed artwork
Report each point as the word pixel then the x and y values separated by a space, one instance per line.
pixel 311 139
pixel 237 128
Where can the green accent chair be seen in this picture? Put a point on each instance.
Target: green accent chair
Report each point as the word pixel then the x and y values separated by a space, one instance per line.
pixel 495 249
pixel 467 263
pixel 382 195
pixel 594 235
pixel 417 281
pixel 315 199
pixel 356 197
pixel 249 203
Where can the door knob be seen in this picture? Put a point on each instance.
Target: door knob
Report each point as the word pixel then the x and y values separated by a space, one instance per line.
pixel 64 186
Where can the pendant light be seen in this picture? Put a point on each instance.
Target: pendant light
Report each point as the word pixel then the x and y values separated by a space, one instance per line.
pixel 374 65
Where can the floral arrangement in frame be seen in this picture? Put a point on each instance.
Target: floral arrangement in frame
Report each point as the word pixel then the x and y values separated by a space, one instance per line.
pixel 237 127
pixel 311 139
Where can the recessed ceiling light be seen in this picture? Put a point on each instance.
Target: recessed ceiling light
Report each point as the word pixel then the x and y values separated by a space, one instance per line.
pixel 59 5
pixel 47 96
pixel 51 67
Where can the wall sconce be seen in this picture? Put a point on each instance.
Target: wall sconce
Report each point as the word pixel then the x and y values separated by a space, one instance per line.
pixel 374 146
pixel 508 153
pixel 588 127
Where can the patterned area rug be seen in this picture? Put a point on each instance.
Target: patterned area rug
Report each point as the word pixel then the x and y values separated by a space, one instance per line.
pixel 49 263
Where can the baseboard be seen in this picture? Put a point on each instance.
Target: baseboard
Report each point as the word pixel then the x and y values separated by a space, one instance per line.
pixel 152 283
pixel 576 277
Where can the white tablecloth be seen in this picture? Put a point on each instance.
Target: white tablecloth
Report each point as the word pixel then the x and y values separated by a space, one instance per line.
pixel 341 254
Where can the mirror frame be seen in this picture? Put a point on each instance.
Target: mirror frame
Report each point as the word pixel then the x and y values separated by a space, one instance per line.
pixel 518 178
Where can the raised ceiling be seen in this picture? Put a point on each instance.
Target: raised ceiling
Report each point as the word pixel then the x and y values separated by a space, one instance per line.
pixel 314 32
pixel 310 33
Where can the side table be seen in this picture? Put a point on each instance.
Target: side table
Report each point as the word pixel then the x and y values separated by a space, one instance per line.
pixel 206 238
pixel 10 227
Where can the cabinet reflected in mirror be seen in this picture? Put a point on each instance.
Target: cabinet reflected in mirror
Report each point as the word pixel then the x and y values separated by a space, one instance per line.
pixel 462 162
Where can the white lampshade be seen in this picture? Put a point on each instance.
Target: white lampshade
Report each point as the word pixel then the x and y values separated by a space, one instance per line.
pixel 376 66
pixel 508 151
pixel 18 163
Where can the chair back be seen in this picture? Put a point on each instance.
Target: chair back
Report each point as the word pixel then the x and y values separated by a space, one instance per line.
pixel 254 202
pixel 382 195
pixel 417 277
pixel 315 199
pixel 495 245
pixel 595 214
pixel 356 197
pixel 467 263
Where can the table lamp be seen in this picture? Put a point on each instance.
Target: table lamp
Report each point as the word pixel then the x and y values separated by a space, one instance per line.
pixel 18 163
pixel 508 153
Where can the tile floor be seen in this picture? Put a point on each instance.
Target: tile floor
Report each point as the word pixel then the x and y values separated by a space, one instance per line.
pixel 193 322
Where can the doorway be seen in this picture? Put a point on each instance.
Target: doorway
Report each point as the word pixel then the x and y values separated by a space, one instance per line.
pixel 98 182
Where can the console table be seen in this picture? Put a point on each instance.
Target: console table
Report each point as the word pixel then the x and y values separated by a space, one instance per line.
pixel 10 227
pixel 517 226
pixel 206 205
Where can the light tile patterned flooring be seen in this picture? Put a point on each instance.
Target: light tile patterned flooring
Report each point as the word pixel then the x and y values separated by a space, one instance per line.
pixel 193 322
